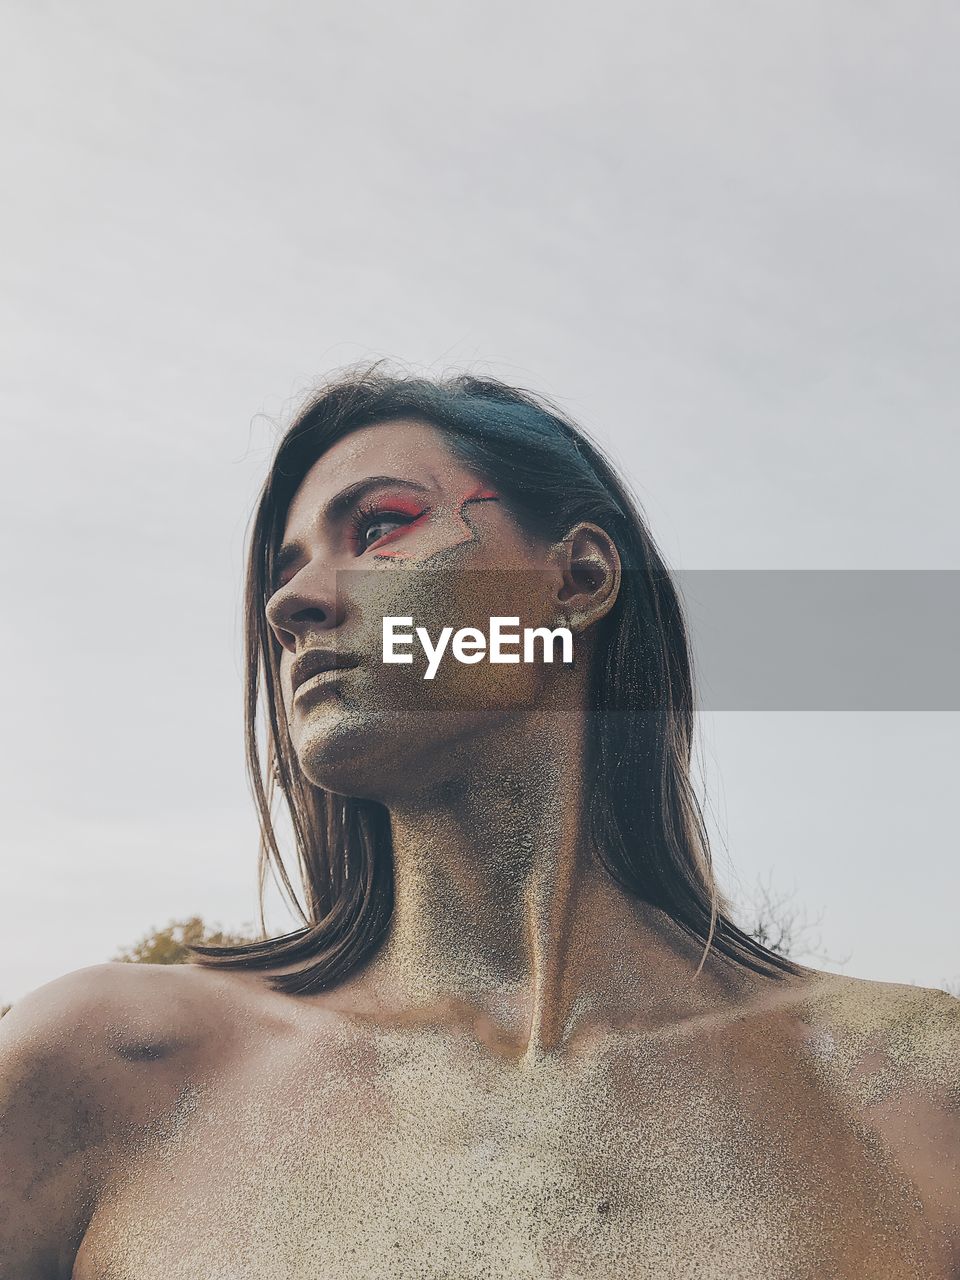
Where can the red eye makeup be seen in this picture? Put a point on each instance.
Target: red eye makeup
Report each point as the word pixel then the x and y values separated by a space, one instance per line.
pixel 386 518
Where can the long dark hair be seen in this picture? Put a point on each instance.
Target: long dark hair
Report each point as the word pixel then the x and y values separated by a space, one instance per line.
pixel 645 820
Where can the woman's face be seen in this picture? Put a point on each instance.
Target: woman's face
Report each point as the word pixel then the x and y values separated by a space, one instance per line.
pixel 390 523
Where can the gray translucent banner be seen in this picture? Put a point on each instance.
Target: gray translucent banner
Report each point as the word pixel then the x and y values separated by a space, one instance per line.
pixel 762 640
pixel 824 640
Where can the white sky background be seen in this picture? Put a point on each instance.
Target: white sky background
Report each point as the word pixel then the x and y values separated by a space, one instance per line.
pixel 723 236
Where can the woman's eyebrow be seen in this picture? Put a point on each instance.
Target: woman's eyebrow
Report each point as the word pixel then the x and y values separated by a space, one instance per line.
pixel 337 507
pixel 344 500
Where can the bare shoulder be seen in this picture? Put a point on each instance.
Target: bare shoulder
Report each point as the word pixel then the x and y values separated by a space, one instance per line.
pixel 888 1055
pixel 873 1045
pixel 86 1057
pixel 108 1008
pixel 88 1062
pixel 83 1023
pixel 890 1035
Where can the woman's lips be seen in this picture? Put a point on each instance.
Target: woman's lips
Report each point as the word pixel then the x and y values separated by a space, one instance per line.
pixel 322 679
pixel 313 662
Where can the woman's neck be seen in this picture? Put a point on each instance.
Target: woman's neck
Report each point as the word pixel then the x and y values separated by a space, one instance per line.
pixel 504 917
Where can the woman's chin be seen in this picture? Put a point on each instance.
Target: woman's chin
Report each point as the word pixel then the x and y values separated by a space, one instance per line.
pixel 353 755
pixel 379 756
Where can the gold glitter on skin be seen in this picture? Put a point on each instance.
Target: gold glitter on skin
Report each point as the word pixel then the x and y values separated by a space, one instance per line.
pixel 526 1079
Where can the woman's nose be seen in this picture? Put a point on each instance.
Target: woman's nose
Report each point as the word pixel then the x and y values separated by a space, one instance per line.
pixel 307 603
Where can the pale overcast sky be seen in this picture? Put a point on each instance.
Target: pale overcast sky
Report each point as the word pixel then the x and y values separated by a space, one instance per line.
pixel 723 236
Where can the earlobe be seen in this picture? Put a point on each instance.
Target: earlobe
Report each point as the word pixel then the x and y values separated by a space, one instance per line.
pixel 590 575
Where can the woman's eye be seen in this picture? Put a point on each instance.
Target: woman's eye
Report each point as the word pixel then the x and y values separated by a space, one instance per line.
pixel 374 530
pixel 372 527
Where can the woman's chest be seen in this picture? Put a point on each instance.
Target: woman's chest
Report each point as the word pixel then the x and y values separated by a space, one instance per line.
pixel 399 1158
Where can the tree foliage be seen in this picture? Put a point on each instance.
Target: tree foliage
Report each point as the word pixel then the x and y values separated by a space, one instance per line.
pixel 775 920
pixel 171 944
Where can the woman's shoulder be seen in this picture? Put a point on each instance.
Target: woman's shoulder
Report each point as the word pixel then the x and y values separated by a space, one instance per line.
pixel 89 1063
pixel 889 1054
pixel 886 1046
pixel 118 1012
pixel 905 1018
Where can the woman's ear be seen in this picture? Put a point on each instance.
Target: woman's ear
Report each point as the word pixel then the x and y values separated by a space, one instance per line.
pixel 589 575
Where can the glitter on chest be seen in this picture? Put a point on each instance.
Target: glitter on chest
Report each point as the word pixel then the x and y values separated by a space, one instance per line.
pixel 446 1163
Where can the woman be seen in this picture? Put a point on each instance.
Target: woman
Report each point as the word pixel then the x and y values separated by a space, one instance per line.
pixel 518 1034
